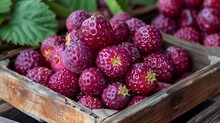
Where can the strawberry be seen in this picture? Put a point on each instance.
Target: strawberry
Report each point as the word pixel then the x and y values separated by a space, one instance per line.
pixel 64 82
pixel 160 86
pixel 193 3
pixel 57 59
pixel 179 58
pixel 116 96
pixel 40 75
pixel 208 20
pixel 75 19
pixel 160 65
pixel 28 59
pixel 170 8
pixel 113 61
pixel 141 79
pixel 121 32
pixel 136 99
pixel 92 81
pixel 212 40
pixel 78 56
pixel 96 31
pixel 215 4
pixel 148 39
pixel 164 24
pixel 188 18
pixel 90 102
pixel 189 34
pixel 123 16
pixel 73 36
pixel 132 50
pixel 134 24
pixel 49 44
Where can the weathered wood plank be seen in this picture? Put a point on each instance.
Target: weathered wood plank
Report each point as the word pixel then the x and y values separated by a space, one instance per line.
pixel 40 102
pixel 5 120
pixel 174 101
pixel 209 115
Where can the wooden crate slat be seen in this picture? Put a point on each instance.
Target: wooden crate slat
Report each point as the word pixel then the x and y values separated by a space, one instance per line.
pixel 209 115
pixel 39 102
pixel 172 102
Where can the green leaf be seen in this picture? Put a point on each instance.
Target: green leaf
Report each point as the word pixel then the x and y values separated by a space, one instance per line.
pixel 2 17
pixel 5 6
pixel 60 10
pixel 87 5
pixel 116 6
pixel 144 2
pixel 31 22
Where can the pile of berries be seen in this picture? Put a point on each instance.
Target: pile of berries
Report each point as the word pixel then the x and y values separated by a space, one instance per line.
pixel 105 64
pixel 195 21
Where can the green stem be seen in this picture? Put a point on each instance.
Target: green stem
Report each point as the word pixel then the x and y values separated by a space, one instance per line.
pixel 58 9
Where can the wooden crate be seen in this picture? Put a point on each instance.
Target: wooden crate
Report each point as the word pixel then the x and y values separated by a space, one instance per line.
pixel 43 104
pixel 208 50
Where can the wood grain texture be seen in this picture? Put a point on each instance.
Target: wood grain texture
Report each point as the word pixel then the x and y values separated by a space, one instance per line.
pixel 209 115
pixel 174 101
pixel 40 102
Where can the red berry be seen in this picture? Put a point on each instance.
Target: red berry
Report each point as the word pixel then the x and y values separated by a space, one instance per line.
pixel 57 59
pixel 121 32
pixel 165 24
pixel 141 79
pixel 28 59
pixel 91 102
pixel 160 86
pixel 75 19
pixel 115 96
pixel 189 34
pixel 96 31
pixel 134 24
pixel 209 20
pixel 92 81
pixel 170 8
pixel 78 56
pixel 49 44
pixel 40 75
pixel 188 18
pixel 215 4
pixel 135 100
pixel 193 3
pixel 64 82
pixel 160 65
pixel 123 16
pixel 132 50
pixel 113 61
pixel 72 37
pixel 212 40
pixel 179 58
pixel 148 39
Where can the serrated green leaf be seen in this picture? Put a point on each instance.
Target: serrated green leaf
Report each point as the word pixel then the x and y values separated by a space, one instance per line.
pixel 2 17
pixel 31 22
pixel 87 5
pixel 5 6
pixel 144 2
